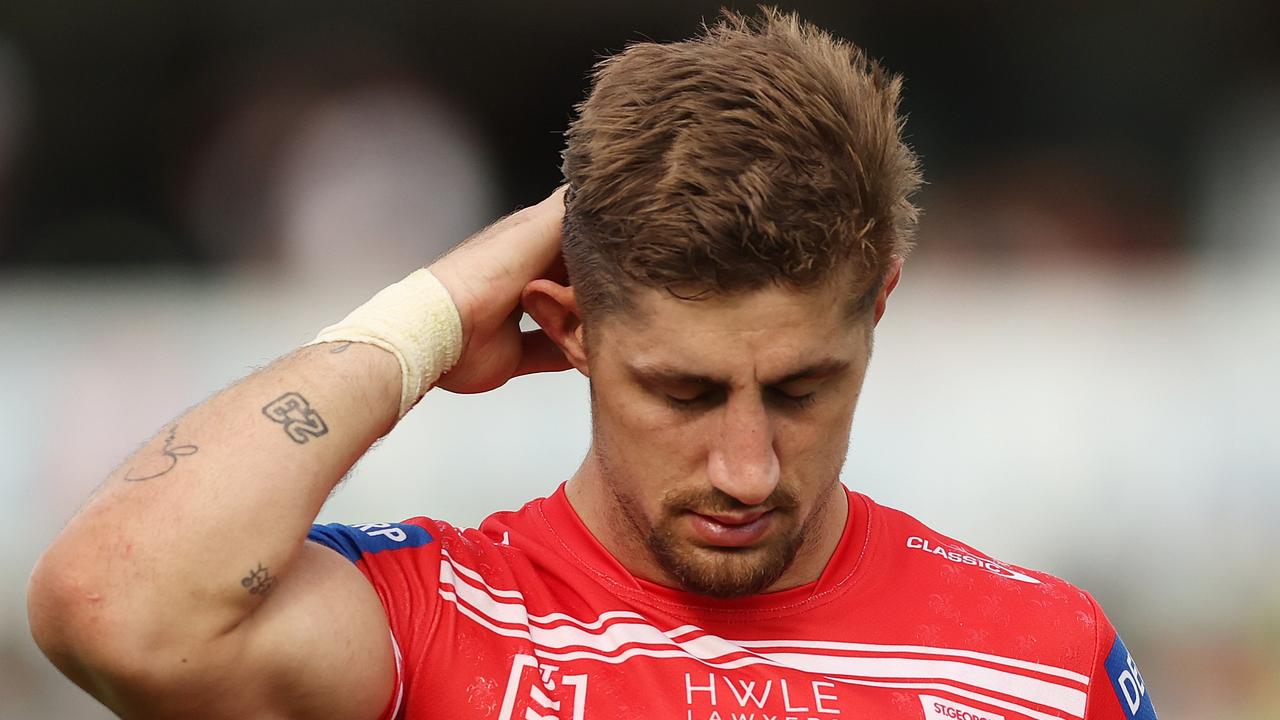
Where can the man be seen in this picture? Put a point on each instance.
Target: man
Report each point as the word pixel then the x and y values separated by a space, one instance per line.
pixel 734 222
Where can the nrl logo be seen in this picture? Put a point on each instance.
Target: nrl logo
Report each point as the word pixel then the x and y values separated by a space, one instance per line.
pixel 541 692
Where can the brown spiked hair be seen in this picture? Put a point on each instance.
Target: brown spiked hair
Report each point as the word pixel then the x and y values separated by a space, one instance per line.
pixel 764 151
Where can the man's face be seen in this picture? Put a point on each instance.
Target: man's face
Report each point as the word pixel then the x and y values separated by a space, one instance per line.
pixel 720 427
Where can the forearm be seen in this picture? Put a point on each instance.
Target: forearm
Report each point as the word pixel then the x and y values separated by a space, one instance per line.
pixel 189 535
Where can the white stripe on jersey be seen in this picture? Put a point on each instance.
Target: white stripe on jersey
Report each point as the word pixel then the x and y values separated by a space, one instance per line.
pixel 575 642
pixel 395 705
pixel 917 649
pixel 997 702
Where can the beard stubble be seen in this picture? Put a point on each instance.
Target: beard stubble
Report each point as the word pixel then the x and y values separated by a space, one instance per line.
pixel 720 572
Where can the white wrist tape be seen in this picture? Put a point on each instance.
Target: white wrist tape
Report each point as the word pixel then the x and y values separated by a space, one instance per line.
pixel 414 319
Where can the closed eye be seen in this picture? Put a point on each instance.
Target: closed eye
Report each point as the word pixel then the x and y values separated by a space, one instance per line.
pixel 711 397
pixel 691 402
pixel 791 399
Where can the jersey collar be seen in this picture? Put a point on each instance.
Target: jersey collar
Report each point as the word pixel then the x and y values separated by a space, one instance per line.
pixel 576 541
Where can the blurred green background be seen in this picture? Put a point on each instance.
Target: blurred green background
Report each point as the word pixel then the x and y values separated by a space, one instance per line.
pixel 1079 372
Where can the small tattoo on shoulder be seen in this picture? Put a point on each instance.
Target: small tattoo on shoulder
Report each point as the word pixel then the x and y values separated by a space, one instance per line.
pixel 301 423
pixel 170 452
pixel 259 581
pixel 340 347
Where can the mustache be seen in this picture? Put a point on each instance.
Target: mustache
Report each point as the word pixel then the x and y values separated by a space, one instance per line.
pixel 718 501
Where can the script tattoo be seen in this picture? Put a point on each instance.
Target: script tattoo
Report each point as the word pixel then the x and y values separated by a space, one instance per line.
pixel 259 581
pixel 171 452
pixel 300 422
pixel 340 347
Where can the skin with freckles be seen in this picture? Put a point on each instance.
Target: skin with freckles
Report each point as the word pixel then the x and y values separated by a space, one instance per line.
pixel 720 426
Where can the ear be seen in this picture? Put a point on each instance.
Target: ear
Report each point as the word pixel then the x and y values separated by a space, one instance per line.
pixel 555 308
pixel 891 279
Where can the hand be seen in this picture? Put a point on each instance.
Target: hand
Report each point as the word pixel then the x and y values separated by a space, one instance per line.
pixel 485 276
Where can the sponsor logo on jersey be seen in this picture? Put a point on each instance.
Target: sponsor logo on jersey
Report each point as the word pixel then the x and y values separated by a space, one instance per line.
pixel 729 697
pixel 1127 681
pixel 963 557
pixel 368 538
pixel 936 708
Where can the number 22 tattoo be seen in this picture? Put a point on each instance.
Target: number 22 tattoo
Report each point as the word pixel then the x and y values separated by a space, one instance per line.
pixel 300 422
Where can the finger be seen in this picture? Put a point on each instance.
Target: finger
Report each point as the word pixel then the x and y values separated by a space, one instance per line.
pixel 538 231
pixel 554 207
pixel 539 221
pixel 539 354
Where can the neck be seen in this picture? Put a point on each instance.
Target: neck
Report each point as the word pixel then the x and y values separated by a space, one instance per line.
pixel 589 494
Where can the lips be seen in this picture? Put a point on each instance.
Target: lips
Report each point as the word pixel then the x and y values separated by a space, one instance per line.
pixel 731 530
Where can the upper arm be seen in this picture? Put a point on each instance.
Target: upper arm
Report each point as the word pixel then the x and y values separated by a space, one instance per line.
pixel 324 638
pixel 318 647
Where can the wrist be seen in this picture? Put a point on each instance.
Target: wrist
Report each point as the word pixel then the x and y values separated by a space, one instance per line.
pixel 460 295
pixel 415 320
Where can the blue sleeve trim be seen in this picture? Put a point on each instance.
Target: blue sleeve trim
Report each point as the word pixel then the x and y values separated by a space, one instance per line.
pixel 1130 688
pixel 356 541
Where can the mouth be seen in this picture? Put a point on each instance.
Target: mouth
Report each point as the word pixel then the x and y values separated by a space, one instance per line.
pixel 731 530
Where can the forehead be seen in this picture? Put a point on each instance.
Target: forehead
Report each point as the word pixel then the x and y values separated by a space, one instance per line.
pixel 764 332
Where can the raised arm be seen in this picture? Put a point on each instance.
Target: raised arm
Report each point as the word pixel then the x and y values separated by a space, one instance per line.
pixel 184 586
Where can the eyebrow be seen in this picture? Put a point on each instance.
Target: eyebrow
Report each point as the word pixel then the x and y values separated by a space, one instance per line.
pixel 664 374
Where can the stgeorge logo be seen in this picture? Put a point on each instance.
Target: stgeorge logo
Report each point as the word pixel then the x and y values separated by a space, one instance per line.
pixel 936 708
pixel 1128 683
pixel 962 557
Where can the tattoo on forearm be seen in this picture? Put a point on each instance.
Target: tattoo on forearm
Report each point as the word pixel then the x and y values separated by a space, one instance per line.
pixel 300 422
pixel 259 581
pixel 171 454
pixel 340 347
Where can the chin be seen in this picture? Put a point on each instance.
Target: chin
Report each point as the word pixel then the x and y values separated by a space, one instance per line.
pixel 724 572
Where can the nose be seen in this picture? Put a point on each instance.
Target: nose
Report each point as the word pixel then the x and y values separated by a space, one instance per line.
pixel 742 462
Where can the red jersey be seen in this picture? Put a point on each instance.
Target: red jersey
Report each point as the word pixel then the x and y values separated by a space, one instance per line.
pixel 530 618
